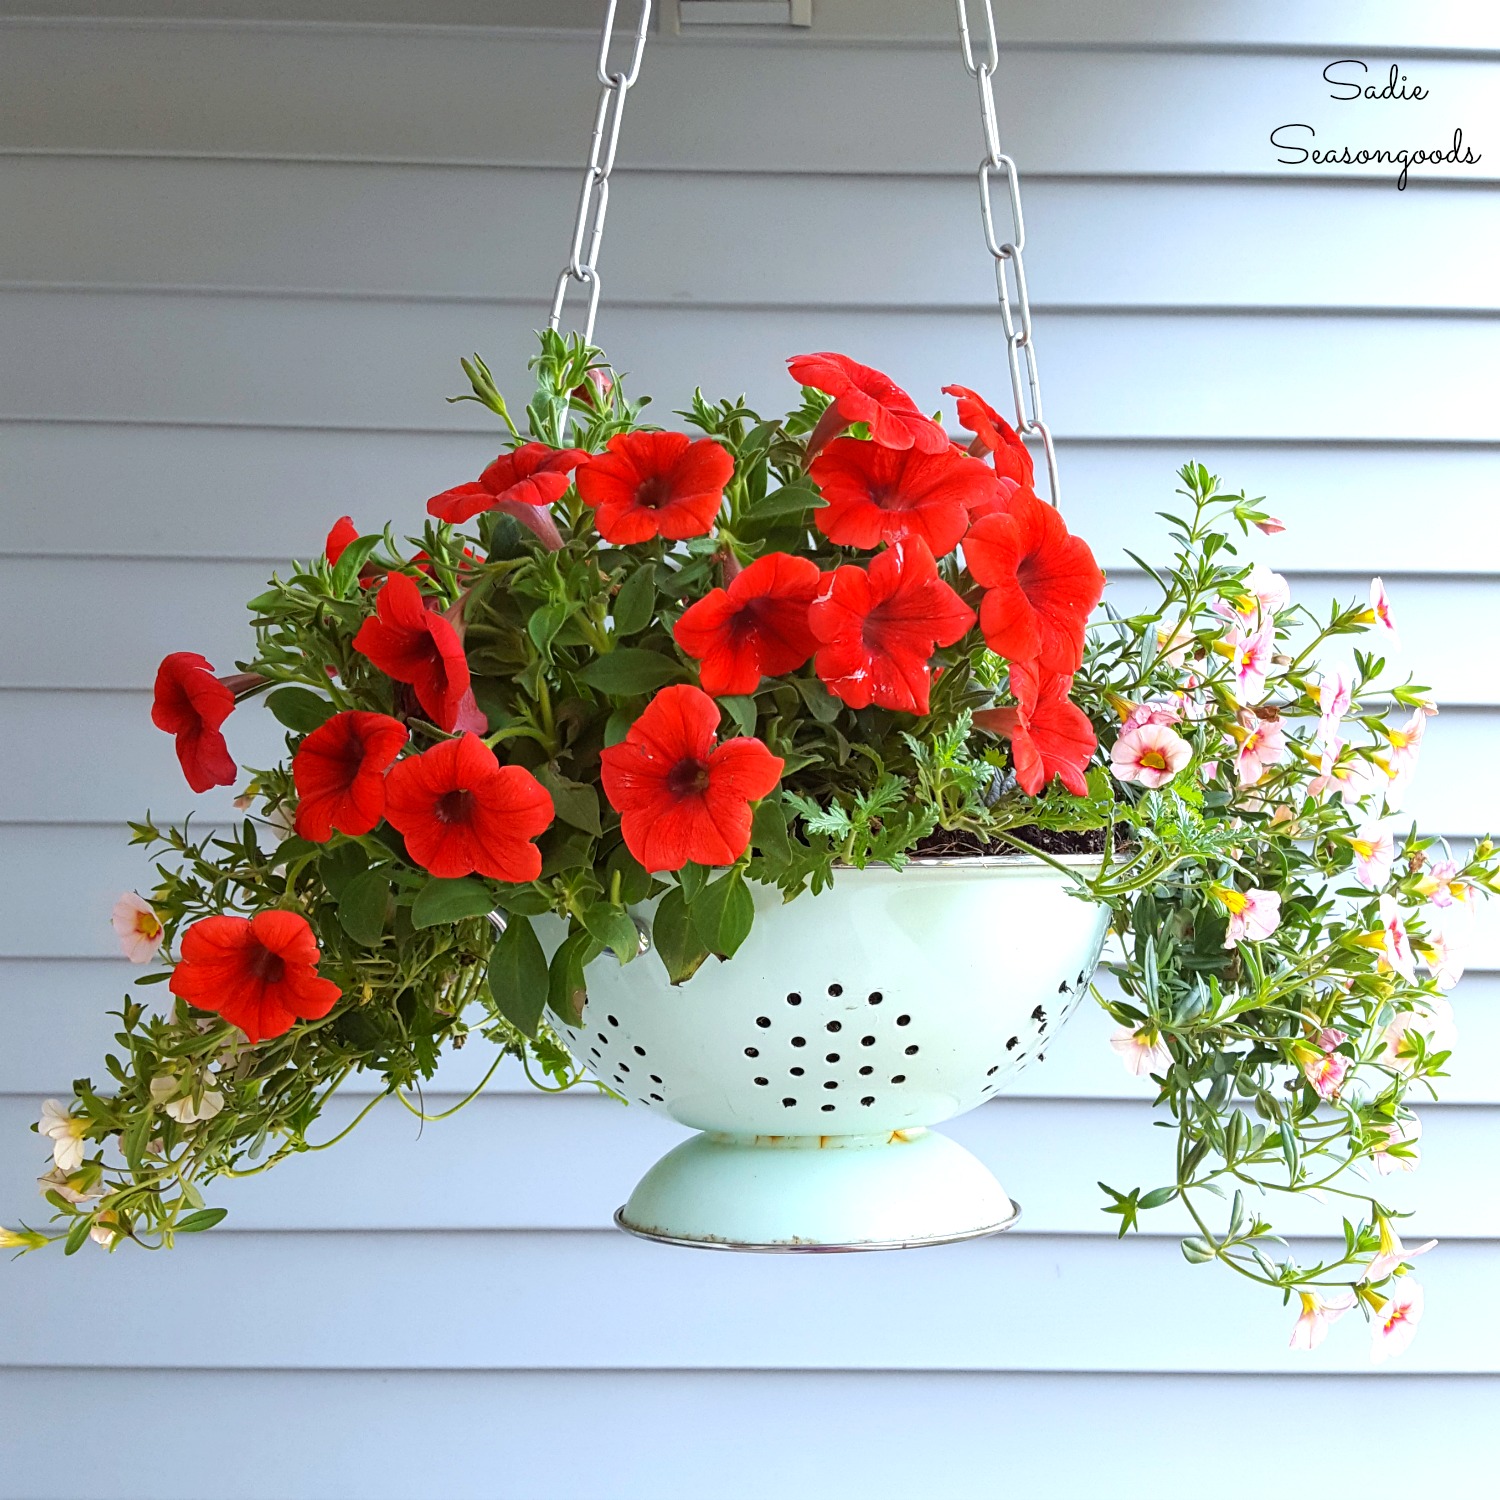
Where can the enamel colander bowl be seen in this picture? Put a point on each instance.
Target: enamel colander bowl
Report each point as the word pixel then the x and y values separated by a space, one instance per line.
pixel 813 1063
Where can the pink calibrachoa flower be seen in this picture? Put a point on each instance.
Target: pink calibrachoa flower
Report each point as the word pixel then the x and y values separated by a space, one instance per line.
pixel 1397 951
pixel 138 928
pixel 1175 647
pixel 1142 1050
pixel 1251 654
pixel 1380 611
pixel 1335 697
pixel 1374 848
pixel 1446 953
pixel 1255 609
pixel 1318 1314
pixel 1270 526
pixel 66 1132
pixel 1441 885
pixel 1394 1326
pixel 1392 1252
pixel 1400 761
pixel 1401 1133
pixel 1437 1026
pixel 1151 754
pixel 1264 745
pixel 1353 776
pixel 1326 1068
pixel 1253 915
pixel 1151 713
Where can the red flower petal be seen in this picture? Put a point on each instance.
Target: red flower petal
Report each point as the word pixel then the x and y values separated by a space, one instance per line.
pixel 411 643
pixel 259 973
pixel 1042 582
pixel 993 434
pixel 532 474
pixel 862 394
pixel 191 703
pixel 755 628
pixel 877 494
pixel 462 813
pixel 342 533
pixel 339 771
pixel 1049 735
pixel 878 629
pixel 680 798
pixel 651 484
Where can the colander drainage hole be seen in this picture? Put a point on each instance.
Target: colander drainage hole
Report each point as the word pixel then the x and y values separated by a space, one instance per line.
pixel 639 1051
pixel 602 1038
pixel 788 1103
pixel 1039 1016
pixel 868 1099
pixel 752 1051
pixel 658 1098
pixel 762 1081
pixel 903 1020
pixel 828 1109
pixel 654 1079
pixel 796 1072
pixel 794 998
pixel 799 1041
pixel 835 990
pixel 865 1072
pixel 832 1057
pixel 1012 1044
pixel 876 997
pixel 611 1020
pixel 763 1021
pixel 830 1084
pixel 898 1078
pixel 1063 988
pixel 835 1026
pixel 624 1067
pixel 913 1050
pixel 993 1071
pixel 867 1041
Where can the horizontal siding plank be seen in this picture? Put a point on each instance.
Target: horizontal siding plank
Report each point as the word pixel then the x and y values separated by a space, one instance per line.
pixel 364 230
pixel 123 617
pixel 58 1028
pixel 532 1162
pixel 216 359
pixel 51 771
pixel 429 1301
pixel 875 1434
pixel 235 493
pixel 317 93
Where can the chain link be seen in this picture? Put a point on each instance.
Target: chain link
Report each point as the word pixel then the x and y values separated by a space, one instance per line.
pixel 582 268
pixel 1015 308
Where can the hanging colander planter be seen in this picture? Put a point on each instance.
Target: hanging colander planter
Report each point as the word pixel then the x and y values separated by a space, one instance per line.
pixel 815 1062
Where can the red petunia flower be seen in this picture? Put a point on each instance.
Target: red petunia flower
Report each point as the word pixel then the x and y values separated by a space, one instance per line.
pixel 339 771
pixel 522 483
pixel 191 703
pixel 682 798
pixel 1042 583
pixel 462 813
pixel 411 643
pixel 878 629
pixel 877 494
pixel 993 435
pixel 342 533
pixel 260 973
pixel 861 394
pixel 755 628
pixel 652 484
pixel 1049 735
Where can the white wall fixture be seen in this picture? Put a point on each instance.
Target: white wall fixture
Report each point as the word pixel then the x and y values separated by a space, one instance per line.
pixel 693 13
pixel 847 1024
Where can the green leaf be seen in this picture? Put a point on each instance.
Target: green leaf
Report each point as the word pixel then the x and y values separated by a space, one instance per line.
pixel 790 500
pixel 692 878
pixel 635 604
pixel 78 1233
pixel 339 865
pixel 1196 1251
pixel 300 709
pixel 574 802
pixel 635 880
pixel 612 928
pixel 724 913
pixel 565 988
pixel 363 907
pixel 1157 1197
pixel 351 560
pixel 518 976
pixel 205 1218
pixel 630 671
pixel 676 939
pixel 768 834
pixel 544 623
pixel 442 901
pixel 741 710
pixel 821 704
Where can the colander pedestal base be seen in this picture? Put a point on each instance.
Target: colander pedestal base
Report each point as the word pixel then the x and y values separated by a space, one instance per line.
pixel 892 1191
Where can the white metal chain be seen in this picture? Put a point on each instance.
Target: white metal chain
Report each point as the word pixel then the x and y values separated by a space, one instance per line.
pixel 1015 311
pixel 582 268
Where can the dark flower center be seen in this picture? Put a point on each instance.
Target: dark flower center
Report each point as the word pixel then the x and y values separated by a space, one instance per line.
pixel 453 807
pixel 267 966
pixel 687 778
pixel 653 493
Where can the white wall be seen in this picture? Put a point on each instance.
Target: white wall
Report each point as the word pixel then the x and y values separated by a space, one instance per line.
pixel 238 264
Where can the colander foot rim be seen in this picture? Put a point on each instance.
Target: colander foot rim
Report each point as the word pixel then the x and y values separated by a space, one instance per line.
pixel 805 1247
